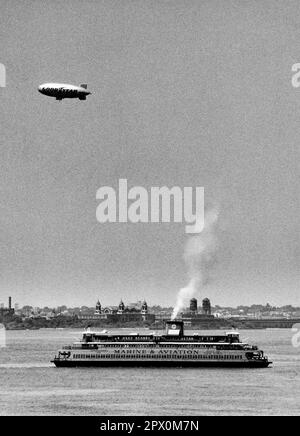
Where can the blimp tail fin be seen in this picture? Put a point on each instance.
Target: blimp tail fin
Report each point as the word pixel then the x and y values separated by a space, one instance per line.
pixel 84 85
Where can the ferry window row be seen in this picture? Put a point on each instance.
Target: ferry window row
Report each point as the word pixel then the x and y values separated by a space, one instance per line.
pixel 164 338
pixel 169 346
pixel 163 356
pixel 124 338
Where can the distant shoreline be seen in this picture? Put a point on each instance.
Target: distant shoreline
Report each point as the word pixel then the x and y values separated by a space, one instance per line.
pixel 16 323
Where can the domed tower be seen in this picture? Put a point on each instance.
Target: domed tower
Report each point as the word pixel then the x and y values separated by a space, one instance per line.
pixel 144 309
pixel 121 308
pixel 98 308
pixel 193 306
pixel 206 306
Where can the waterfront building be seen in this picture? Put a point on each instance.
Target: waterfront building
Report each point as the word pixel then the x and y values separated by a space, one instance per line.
pixel 120 313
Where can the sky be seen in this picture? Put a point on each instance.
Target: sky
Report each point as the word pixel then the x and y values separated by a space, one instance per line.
pixel 184 93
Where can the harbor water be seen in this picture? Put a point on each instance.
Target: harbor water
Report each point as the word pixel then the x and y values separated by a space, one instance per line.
pixel 31 385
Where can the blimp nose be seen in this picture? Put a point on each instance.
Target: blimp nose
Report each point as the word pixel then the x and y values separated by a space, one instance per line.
pixel 40 88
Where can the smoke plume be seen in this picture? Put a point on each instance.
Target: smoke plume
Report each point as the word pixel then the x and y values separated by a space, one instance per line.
pixel 199 255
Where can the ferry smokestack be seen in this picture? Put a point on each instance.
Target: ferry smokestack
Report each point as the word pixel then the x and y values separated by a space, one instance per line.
pixel 175 328
pixel 9 303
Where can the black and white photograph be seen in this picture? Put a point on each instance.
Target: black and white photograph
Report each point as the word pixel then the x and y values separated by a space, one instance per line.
pixel 149 211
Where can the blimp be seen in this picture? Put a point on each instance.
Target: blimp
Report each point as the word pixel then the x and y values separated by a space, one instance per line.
pixel 64 90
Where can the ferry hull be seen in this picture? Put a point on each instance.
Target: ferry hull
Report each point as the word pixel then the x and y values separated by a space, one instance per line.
pixel 166 363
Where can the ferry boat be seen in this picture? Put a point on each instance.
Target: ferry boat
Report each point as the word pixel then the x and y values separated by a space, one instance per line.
pixel 172 348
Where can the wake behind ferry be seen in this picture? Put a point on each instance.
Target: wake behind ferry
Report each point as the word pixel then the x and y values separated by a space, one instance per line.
pixel 172 348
